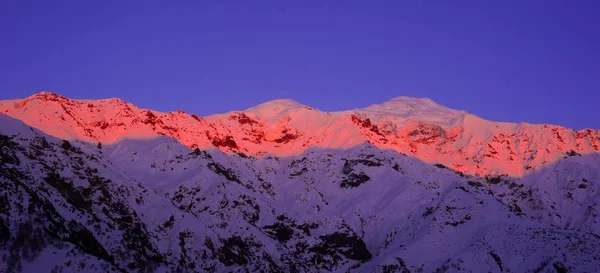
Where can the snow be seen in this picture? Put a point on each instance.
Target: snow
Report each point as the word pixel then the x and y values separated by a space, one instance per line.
pixel 415 126
pixel 54 259
pixel 403 109
pixel 275 109
pixel 408 209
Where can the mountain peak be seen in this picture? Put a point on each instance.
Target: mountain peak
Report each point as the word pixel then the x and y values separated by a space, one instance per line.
pixel 277 103
pixel 412 100
pixel 412 103
pixel 45 95
pixel 275 109
pixel 422 109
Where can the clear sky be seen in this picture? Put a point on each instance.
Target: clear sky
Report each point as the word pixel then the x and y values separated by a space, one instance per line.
pixel 527 60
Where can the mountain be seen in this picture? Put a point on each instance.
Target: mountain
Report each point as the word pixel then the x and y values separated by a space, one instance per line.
pixel 416 127
pixel 404 186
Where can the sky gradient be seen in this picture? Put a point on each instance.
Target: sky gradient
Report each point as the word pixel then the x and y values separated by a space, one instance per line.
pixel 531 61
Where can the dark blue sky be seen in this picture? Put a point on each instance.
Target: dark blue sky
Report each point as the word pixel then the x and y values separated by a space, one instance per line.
pixel 533 61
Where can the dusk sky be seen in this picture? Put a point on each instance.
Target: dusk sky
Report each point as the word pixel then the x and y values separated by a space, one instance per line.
pixel 531 61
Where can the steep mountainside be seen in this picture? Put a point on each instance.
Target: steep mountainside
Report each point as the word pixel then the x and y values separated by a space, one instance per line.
pixel 154 205
pixel 415 127
pixel 102 186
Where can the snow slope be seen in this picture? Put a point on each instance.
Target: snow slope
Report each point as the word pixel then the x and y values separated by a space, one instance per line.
pixel 152 204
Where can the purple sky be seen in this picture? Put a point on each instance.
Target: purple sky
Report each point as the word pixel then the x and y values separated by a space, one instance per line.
pixel 533 61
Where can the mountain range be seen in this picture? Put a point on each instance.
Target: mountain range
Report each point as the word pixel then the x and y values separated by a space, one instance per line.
pixel 403 186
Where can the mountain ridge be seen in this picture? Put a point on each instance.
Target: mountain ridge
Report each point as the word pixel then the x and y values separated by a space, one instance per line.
pixel 457 139
pixel 406 100
pixel 155 205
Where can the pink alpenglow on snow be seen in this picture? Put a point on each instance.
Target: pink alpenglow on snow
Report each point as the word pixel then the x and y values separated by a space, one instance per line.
pixel 416 127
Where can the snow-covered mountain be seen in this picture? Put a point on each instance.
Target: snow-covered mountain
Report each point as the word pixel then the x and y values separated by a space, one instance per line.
pixel 416 127
pixel 404 186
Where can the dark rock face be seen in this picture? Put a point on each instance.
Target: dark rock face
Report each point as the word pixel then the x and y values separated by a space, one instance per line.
pixel 280 231
pixel 398 267
pixel 333 247
pixel 151 119
pixel 227 141
pixel 351 246
pixel 4 232
pixel 219 169
pixel 287 138
pixel 354 180
pixel 236 250
pixel 243 119
pixel 366 123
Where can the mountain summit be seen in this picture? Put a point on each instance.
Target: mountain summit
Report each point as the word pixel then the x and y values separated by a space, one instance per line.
pixel 419 109
pixel 274 109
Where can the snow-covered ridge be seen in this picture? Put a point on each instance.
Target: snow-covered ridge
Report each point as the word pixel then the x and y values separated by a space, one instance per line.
pixel 414 126
pixel 419 109
pixel 154 205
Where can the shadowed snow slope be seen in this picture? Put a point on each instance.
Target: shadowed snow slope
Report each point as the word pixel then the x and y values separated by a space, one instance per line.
pixel 154 205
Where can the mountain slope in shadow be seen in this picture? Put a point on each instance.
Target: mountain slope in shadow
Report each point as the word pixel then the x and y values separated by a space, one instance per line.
pixel 154 205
